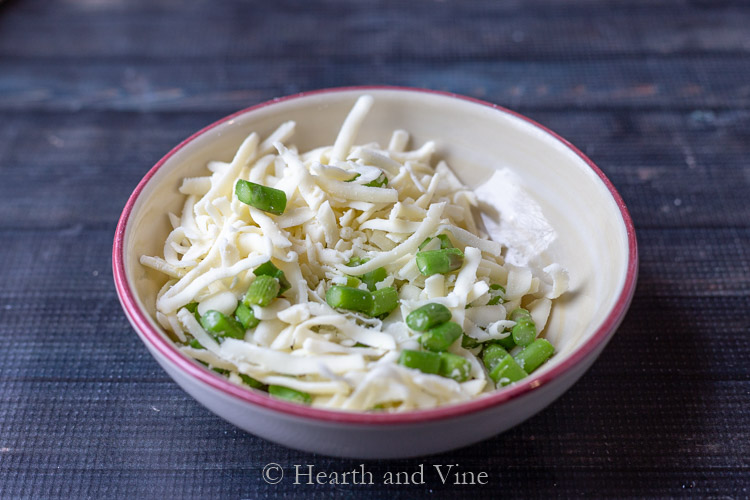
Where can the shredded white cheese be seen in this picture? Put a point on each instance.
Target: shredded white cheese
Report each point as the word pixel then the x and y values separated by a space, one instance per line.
pixel 336 210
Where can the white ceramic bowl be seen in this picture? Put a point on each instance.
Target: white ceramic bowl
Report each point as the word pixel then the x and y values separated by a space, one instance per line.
pixel 596 243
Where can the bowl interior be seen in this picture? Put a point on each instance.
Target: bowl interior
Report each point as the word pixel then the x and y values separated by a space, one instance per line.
pixel 476 140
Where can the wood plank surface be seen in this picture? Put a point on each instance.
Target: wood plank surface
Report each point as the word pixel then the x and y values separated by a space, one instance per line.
pixel 94 92
pixel 386 30
pixel 219 85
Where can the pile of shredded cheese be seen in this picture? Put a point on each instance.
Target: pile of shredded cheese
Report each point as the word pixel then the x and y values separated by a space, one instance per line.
pixel 345 360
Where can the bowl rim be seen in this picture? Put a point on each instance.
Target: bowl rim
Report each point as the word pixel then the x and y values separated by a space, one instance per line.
pixel 166 348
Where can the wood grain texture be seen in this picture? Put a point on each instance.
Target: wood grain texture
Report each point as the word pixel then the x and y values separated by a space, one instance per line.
pixel 383 30
pixel 641 83
pixel 93 92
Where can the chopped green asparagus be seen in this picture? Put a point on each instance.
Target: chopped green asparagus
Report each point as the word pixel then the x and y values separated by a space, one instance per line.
pixel 439 261
pixel 427 362
pixel 441 337
pixel 427 316
pixel 353 299
pixel 245 315
pixel 454 366
pixel 534 354
pixel 288 394
pixel 269 269
pixel 220 325
pixel 261 197
pixel 384 301
pixel 262 291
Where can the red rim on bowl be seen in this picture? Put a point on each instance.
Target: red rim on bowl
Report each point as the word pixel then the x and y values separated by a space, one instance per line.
pixel 165 347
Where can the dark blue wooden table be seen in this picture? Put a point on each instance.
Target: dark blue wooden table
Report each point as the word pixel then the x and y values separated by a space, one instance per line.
pixel 94 92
